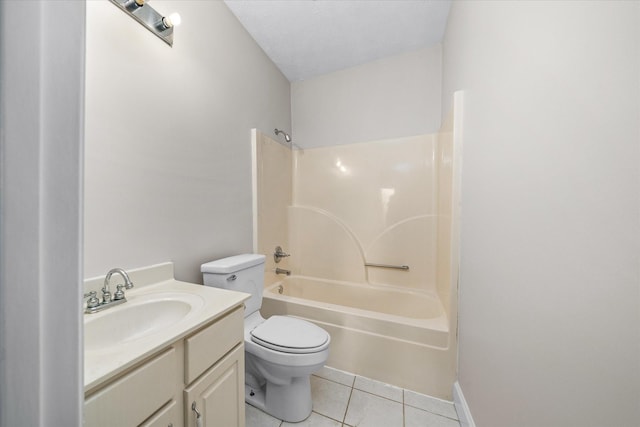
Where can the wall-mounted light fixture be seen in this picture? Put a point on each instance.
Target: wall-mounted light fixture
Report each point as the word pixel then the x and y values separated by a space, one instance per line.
pixel 161 26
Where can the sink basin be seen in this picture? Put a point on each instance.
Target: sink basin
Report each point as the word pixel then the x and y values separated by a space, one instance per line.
pixel 140 317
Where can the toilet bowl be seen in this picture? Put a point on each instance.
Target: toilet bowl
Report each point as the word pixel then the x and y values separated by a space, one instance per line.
pixel 281 352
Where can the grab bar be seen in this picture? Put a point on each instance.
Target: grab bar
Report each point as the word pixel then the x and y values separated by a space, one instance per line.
pixel 396 267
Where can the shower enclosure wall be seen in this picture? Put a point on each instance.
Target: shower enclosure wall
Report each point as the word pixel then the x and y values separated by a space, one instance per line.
pixel 342 211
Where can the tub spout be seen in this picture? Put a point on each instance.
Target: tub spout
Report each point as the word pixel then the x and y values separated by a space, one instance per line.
pixel 283 271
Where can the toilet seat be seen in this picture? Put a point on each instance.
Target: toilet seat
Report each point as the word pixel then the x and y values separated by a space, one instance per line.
pixel 290 335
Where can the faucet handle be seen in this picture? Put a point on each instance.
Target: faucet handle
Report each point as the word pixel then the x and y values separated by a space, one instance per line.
pixel 93 300
pixel 119 293
pixel 279 254
pixel 106 295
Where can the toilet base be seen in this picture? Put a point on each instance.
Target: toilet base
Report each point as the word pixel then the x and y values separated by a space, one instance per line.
pixel 254 397
pixel 291 402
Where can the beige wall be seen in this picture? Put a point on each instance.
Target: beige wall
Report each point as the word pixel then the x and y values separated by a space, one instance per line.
pixel 549 281
pixel 168 131
pixel 393 97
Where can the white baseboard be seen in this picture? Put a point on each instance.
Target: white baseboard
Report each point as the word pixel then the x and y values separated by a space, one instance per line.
pixel 466 420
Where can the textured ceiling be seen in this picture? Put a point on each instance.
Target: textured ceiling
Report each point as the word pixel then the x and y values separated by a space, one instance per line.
pixel 306 38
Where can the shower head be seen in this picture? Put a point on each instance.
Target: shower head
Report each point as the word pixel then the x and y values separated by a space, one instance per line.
pixel 286 135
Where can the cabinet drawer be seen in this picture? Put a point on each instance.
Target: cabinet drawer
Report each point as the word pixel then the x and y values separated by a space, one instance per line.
pixel 133 398
pixel 207 346
pixel 165 417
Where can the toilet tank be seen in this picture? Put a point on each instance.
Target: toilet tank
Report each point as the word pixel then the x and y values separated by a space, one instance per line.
pixel 243 273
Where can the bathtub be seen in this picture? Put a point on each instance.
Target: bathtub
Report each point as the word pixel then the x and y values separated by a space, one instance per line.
pixel 388 334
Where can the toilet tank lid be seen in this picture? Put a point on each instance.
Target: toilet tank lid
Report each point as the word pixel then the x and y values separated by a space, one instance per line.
pixel 232 264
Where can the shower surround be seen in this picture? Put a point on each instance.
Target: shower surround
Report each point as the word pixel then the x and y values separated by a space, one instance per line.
pixel 338 208
pixel 371 202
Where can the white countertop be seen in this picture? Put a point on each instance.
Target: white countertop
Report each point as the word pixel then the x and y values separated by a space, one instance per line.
pixel 101 365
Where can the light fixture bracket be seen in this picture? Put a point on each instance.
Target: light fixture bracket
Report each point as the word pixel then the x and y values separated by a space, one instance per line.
pixel 148 17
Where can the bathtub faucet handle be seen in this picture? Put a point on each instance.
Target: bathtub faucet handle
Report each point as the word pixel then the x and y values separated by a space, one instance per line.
pixel 279 254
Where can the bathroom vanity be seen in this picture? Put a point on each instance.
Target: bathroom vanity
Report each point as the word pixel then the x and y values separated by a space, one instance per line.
pixel 172 353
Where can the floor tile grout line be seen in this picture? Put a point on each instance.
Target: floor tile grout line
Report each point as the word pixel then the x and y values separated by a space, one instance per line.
pixel 404 421
pixel 404 406
pixel 431 412
pixel 327 416
pixel 435 399
pixel 377 395
pixel 404 417
pixel 404 390
pixel 353 387
pixel 348 400
pixel 334 381
pixel 344 418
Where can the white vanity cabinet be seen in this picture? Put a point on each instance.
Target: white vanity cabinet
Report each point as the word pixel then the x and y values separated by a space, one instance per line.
pixel 205 367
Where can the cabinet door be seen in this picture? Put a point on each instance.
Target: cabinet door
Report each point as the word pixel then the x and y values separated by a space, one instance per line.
pixel 218 393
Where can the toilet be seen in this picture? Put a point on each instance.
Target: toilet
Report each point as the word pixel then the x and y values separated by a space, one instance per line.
pixel 281 352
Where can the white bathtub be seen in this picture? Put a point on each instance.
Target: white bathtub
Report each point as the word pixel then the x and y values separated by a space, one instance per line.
pixel 389 334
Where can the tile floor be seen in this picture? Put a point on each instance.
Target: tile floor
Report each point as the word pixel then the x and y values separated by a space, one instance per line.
pixel 341 399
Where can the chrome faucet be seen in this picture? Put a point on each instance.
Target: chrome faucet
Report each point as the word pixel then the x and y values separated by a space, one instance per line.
pixel 283 271
pixel 106 292
pixel 94 305
pixel 279 254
